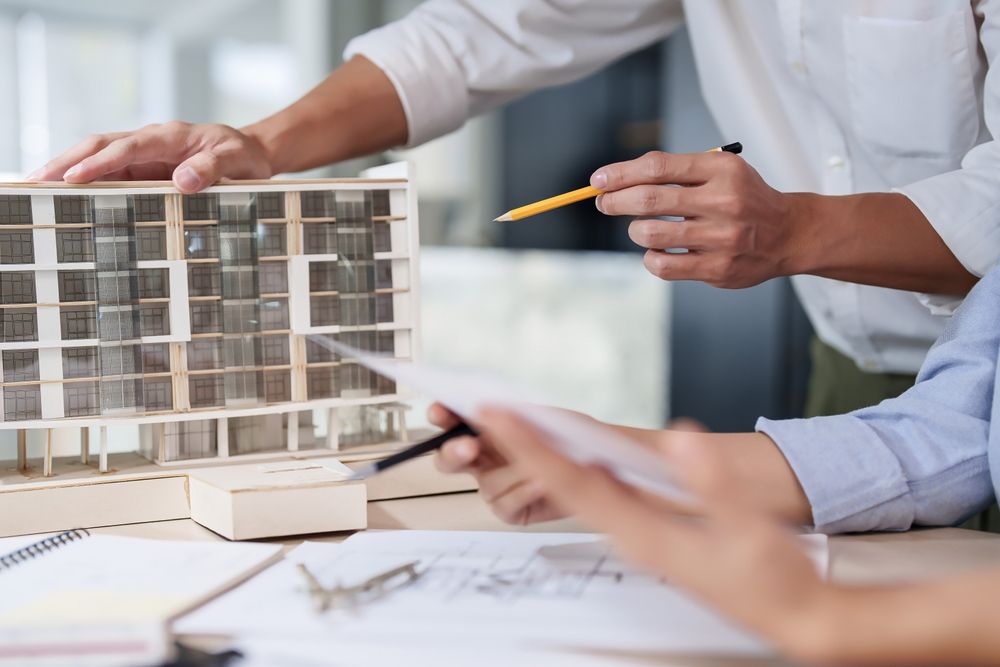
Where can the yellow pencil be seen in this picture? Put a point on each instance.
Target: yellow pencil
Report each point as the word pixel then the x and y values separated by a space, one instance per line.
pixel 567 198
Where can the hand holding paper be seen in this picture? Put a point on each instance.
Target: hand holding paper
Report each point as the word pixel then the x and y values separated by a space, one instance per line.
pixel 583 440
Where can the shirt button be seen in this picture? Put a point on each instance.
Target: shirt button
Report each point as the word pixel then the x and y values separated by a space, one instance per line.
pixel 798 67
pixel 835 162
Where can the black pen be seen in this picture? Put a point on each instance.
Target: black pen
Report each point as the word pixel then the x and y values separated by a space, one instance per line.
pixel 414 451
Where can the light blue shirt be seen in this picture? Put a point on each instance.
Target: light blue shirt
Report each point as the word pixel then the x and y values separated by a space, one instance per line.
pixel 924 458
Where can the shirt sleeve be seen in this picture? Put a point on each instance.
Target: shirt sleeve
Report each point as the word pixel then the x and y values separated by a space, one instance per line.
pixel 963 205
pixel 918 459
pixel 452 59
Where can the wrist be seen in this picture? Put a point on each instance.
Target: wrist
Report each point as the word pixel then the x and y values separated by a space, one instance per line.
pixel 803 221
pixel 267 141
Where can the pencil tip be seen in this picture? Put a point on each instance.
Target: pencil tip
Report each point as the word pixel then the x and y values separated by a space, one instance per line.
pixel 503 218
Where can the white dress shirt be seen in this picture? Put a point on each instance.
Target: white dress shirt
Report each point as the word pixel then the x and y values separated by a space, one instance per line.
pixel 828 97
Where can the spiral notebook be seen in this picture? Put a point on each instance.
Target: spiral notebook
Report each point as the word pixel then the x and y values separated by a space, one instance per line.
pixel 74 591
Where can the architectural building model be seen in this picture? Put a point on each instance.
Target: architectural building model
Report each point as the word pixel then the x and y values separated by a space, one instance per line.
pixel 190 316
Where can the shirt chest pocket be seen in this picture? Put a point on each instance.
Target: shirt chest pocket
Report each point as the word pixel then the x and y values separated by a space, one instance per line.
pixel 910 85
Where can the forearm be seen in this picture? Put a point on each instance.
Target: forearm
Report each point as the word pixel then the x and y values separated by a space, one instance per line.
pixel 877 239
pixel 950 621
pixel 354 111
pixel 759 472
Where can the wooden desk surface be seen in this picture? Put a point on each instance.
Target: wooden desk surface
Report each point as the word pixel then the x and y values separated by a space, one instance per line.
pixel 883 557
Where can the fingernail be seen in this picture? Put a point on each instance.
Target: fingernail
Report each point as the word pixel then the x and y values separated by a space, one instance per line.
pixel 187 179
pixel 597 203
pixel 599 180
pixel 33 176
pixel 72 172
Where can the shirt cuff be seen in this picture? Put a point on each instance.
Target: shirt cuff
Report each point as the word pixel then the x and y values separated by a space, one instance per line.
pixel 852 481
pixel 972 235
pixel 425 74
pixel 940 304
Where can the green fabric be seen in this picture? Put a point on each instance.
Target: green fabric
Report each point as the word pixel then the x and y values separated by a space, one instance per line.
pixel 837 385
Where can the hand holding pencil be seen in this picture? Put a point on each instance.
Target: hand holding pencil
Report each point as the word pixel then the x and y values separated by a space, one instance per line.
pixel 580 194
pixel 736 231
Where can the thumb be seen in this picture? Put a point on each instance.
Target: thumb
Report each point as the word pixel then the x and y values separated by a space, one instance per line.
pixel 197 172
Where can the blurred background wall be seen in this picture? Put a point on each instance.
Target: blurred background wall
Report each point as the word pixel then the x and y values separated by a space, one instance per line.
pixel 591 326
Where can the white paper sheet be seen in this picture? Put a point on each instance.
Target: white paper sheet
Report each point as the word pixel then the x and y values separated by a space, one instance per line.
pixel 585 441
pixel 110 579
pixel 540 591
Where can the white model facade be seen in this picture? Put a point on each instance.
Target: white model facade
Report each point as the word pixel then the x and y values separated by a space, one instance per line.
pixel 190 314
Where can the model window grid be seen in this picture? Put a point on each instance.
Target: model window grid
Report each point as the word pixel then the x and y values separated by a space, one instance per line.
pixel 272 239
pixel 206 391
pixel 241 351
pixel 355 241
pixel 73 209
pixel 270 205
pixel 281 377
pixel 158 394
pixel 79 362
pixel 356 275
pixel 17 287
pixel 274 315
pixel 151 243
pixel 319 238
pixel 117 287
pixel 154 319
pixel 206 317
pixel 199 438
pixel 203 206
pixel 76 286
pixel 204 354
pixel 75 245
pixel 122 359
pixel 17 247
pixel 273 277
pixel 22 402
pixel 275 351
pixel 277 386
pixel 204 280
pixel 120 393
pixel 148 208
pixel 118 323
pixel 320 383
pixel 357 309
pixel 20 365
pixel 19 324
pixel 201 242
pixel 239 282
pixel 15 209
pixel 154 284
pixel 81 398
pixel 323 277
pixel 324 310
pixel 244 385
pixel 155 358
pixel 317 203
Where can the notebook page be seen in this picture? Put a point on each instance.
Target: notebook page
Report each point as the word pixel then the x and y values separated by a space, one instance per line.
pixel 109 579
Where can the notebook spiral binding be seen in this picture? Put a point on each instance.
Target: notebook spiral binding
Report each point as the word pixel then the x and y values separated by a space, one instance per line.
pixel 36 549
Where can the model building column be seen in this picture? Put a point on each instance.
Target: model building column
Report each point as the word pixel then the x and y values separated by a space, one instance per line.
pixel 47 295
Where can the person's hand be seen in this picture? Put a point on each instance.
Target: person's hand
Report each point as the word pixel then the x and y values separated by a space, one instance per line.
pixel 193 156
pixel 735 558
pixel 738 231
pixel 510 495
